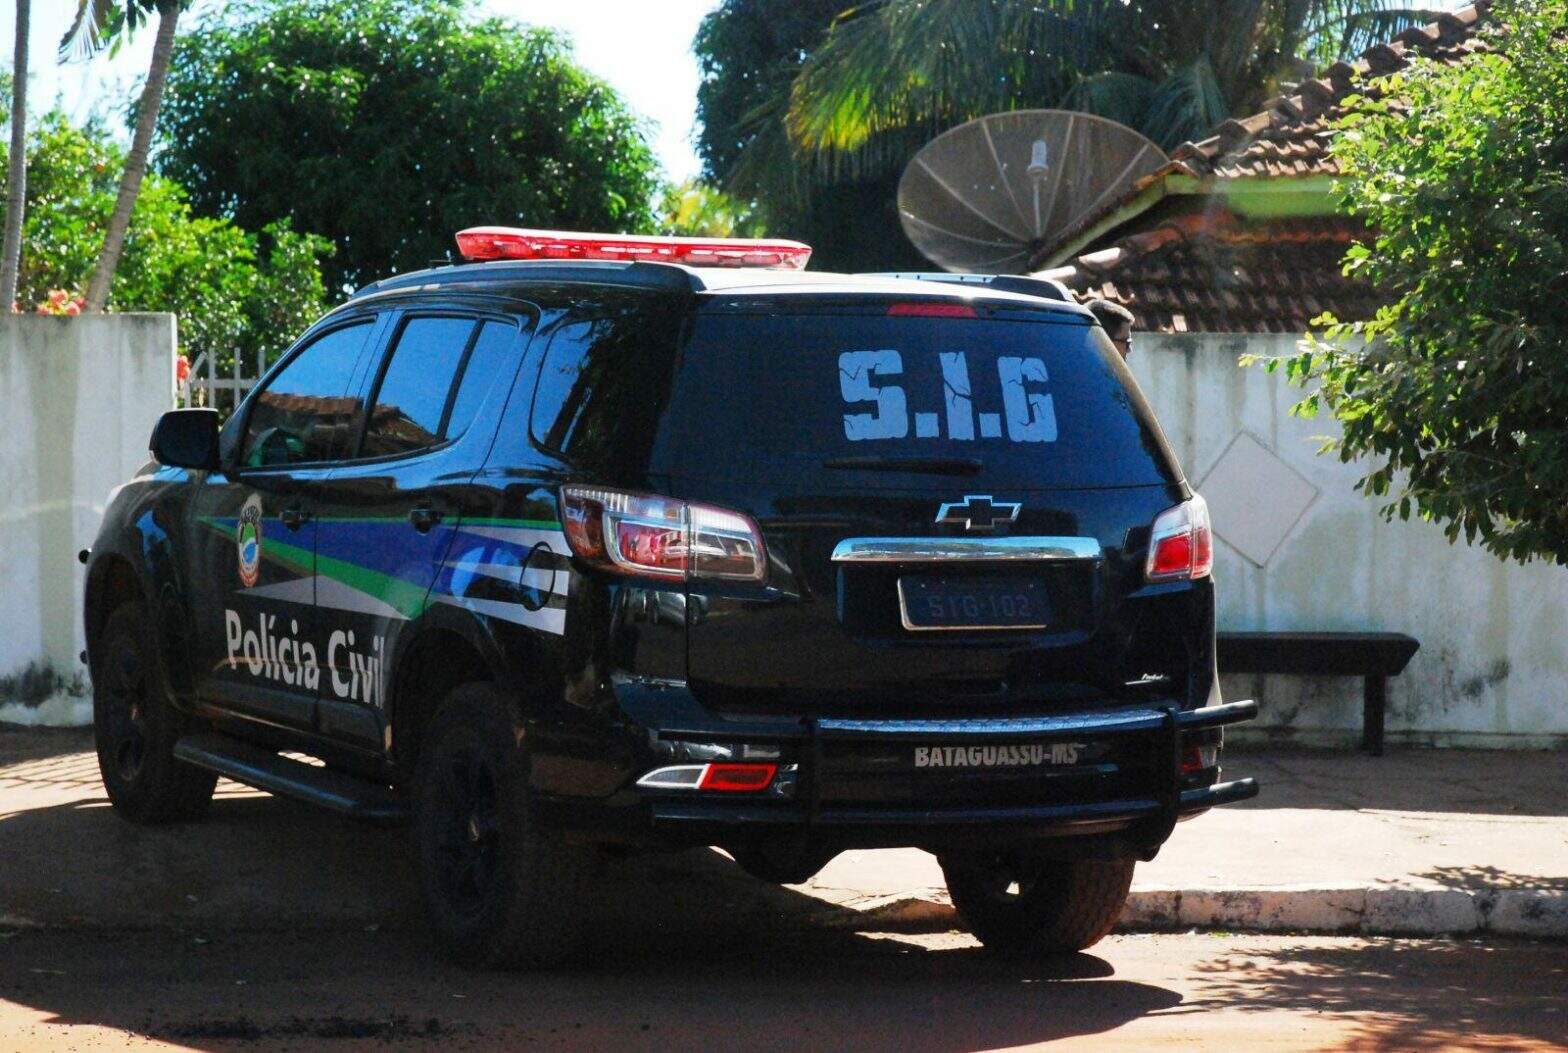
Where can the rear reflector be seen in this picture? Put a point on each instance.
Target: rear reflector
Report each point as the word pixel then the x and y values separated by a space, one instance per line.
pixel 718 778
pixel 1195 759
pixel 737 778
pixel 513 243
pixel 932 310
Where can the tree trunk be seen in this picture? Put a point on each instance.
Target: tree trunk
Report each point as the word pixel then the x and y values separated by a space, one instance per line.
pixel 136 160
pixel 16 174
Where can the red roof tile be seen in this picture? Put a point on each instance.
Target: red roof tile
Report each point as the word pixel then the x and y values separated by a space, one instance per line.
pixel 1207 272
pixel 1288 138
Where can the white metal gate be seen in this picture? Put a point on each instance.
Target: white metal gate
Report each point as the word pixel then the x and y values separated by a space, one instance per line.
pixel 205 385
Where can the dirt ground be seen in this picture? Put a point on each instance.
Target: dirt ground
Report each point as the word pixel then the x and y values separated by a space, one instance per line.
pixel 797 990
pixel 271 926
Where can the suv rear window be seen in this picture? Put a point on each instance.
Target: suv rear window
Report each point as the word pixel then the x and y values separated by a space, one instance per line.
pixel 1039 404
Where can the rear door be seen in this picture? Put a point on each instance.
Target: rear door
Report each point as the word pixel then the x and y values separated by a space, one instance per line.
pixel 388 516
pixel 954 501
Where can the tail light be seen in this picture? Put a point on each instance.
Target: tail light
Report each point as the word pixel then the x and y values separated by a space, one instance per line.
pixel 645 534
pixel 1181 547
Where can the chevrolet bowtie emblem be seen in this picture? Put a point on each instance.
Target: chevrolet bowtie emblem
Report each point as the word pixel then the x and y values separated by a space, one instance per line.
pixel 978 512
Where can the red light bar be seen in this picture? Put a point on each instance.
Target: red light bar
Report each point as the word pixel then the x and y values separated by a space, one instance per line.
pixel 512 243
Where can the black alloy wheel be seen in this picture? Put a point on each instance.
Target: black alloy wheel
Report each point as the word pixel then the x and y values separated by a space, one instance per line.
pixel 135 726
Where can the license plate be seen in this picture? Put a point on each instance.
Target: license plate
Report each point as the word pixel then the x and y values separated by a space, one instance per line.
pixel 939 601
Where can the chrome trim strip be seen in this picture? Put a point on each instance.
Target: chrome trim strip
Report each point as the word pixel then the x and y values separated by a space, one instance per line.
pixel 954 549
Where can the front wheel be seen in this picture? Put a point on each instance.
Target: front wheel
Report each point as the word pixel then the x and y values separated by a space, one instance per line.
pixel 1017 904
pixel 499 890
pixel 135 726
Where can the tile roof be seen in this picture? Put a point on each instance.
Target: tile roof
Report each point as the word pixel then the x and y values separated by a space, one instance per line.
pixel 1205 271
pixel 1208 273
pixel 1290 137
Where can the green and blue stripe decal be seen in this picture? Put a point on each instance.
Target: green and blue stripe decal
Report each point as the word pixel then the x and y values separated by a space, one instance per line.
pixel 517 570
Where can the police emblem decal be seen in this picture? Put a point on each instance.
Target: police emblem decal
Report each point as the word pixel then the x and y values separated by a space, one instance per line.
pixel 247 535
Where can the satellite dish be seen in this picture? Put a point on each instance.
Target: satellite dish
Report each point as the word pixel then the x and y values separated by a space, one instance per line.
pixel 990 195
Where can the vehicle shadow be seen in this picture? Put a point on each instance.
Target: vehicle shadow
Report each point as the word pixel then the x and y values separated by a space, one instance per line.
pixel 273 922
pixel 790 991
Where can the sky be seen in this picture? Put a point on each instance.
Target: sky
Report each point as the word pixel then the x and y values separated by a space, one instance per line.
pixel 642 47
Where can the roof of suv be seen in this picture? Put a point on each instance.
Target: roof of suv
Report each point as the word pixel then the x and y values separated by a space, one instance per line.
pixel 680 279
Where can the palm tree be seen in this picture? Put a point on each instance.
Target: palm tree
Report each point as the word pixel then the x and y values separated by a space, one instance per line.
pixel 893 72
pixel 97 22
pixel 16 172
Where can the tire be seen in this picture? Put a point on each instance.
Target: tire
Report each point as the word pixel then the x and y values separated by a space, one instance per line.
pixel 135 726
pixel 1023 907
pixel 499 891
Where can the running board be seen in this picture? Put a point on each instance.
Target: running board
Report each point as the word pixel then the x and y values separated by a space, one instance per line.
pixel 254 766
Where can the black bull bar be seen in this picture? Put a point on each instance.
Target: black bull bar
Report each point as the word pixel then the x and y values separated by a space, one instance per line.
pixel 1150 815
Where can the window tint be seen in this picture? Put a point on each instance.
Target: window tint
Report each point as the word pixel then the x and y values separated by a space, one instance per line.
pixel 834 397
pixel 487 363
pixel 305 413
pixel 602 385
pixel 412 396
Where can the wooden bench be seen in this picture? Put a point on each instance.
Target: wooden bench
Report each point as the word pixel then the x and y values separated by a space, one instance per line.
pixel 1372 656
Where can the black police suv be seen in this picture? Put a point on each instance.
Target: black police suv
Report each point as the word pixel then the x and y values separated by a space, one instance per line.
pixel 602 543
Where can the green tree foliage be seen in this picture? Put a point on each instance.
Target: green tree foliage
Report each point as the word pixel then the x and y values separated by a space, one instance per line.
pixel 389 124
pixel 100 23
pixel 233 290
pixel 1170 68
pixel 1460 391
pixel 695 209
pixel 814 107
pixel 749 53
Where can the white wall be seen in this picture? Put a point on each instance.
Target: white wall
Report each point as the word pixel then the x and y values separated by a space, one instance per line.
pixel 1493 664
pixel 78 400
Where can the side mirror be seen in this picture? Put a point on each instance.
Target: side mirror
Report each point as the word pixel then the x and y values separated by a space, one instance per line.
pixel 187 438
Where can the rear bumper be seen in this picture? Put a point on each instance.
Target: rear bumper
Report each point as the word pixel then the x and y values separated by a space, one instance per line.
pixel 1155 734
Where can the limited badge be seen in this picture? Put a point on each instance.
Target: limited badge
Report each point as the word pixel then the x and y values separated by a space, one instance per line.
pixel 248 540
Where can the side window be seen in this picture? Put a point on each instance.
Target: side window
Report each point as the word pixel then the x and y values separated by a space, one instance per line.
pixel 411 400
pixel 487 362
pixel 305 413
pixel 603 384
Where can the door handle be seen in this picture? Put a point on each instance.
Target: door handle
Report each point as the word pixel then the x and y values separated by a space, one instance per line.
pixel 424 518
pixel 294 517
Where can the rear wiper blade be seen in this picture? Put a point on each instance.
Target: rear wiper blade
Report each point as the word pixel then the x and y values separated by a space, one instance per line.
pixel 925 465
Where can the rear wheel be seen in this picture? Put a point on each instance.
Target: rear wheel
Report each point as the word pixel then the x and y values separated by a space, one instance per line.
pixel 135 726
pixel 1021 905
pixel 499 890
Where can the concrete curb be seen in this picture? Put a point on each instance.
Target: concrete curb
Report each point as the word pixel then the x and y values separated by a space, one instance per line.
pixel 1539 913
